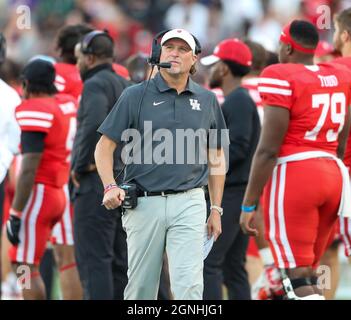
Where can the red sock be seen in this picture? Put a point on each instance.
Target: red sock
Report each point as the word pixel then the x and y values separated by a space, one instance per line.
pixel 68 266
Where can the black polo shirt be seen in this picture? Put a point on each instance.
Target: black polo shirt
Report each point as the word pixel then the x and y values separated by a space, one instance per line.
pixel 241 116
pixel 102 88
pixel 166 159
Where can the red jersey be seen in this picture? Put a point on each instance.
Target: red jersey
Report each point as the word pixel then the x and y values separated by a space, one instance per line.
pixel 346 61
pixel 68 79
pixel 316 96
pixel 121 70
pixel 251 85
pixel 55 116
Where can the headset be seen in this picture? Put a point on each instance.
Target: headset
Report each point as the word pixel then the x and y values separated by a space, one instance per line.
pixel 88 38
pixel 154 59
pixel 2 48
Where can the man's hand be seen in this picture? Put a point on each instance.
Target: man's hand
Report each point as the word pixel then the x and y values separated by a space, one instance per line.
pixel 214 225
pixel 113 198
pixel 13 227
pixel 247 223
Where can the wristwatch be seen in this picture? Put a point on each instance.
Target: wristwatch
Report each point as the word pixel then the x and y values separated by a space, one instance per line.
pixel 219 209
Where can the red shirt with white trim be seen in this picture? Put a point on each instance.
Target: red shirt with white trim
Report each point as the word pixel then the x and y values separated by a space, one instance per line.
pixel 346 61
pixel 251 85
pixel 317 98
pixel 68 79
pixel 55 116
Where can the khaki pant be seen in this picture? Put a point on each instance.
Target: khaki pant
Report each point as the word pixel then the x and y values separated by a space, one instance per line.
pixel 176 223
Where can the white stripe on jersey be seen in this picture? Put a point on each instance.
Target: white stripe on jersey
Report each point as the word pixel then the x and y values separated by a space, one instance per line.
pixel 64 226
pixel 251 81
pixel 34 114
pixel 277 82
pixel 282 228
pixel 273 232
pixel 67 219
pixel 272 228
pixel 20 247
pixel 32 222
pixel 35 123
pixel 345 232
pixel 283 92
pixel 57 233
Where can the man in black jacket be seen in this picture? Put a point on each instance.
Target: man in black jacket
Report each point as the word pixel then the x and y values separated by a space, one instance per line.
pixel 226 262
pixel 100 243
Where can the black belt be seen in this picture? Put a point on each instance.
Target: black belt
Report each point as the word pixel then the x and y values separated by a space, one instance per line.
pixel 158 193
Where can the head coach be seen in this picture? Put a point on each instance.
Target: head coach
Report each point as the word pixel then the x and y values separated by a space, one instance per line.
pixel 171 210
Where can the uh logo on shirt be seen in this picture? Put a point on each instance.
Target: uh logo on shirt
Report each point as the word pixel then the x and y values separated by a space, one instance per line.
pixel 195 105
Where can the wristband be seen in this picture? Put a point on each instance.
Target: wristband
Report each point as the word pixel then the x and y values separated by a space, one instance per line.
pixel 15 213
pixel 110 187
pixel 248 209
pixel 219 209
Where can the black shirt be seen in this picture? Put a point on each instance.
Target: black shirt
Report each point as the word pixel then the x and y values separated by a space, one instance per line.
pixel 102 88
pixel 240 114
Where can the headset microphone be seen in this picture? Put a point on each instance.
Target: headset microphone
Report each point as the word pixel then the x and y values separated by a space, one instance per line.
pixel 165 65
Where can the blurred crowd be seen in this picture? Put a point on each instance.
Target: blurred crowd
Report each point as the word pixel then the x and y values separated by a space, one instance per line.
pixel 30 25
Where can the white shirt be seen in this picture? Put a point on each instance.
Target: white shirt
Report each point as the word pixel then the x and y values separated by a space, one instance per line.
pixel 10 132
pixel 193 18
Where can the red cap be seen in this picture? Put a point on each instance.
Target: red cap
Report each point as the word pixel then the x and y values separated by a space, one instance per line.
pixel 232 50
pixel 323 49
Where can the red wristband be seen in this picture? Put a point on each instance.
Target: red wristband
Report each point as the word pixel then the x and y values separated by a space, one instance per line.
pixel 110 187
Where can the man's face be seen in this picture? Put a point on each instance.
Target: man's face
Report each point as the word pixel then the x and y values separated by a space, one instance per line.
pixel 179 54
pixel 215 75
pixel 337 38
pixel 82 63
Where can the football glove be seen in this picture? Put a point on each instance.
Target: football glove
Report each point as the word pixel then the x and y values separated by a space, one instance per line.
pixel 13 226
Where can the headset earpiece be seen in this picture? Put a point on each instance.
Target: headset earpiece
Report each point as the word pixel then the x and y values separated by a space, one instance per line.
pixel 198 48
pixel 155 55
pixel 88 38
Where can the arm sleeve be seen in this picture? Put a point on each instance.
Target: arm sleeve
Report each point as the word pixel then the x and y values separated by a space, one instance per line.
pixel 274 87
pixel 32 142
pixel 93 109
pixel 238 114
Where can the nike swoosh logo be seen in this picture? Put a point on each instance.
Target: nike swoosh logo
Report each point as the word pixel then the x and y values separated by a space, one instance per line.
pixel 158 103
